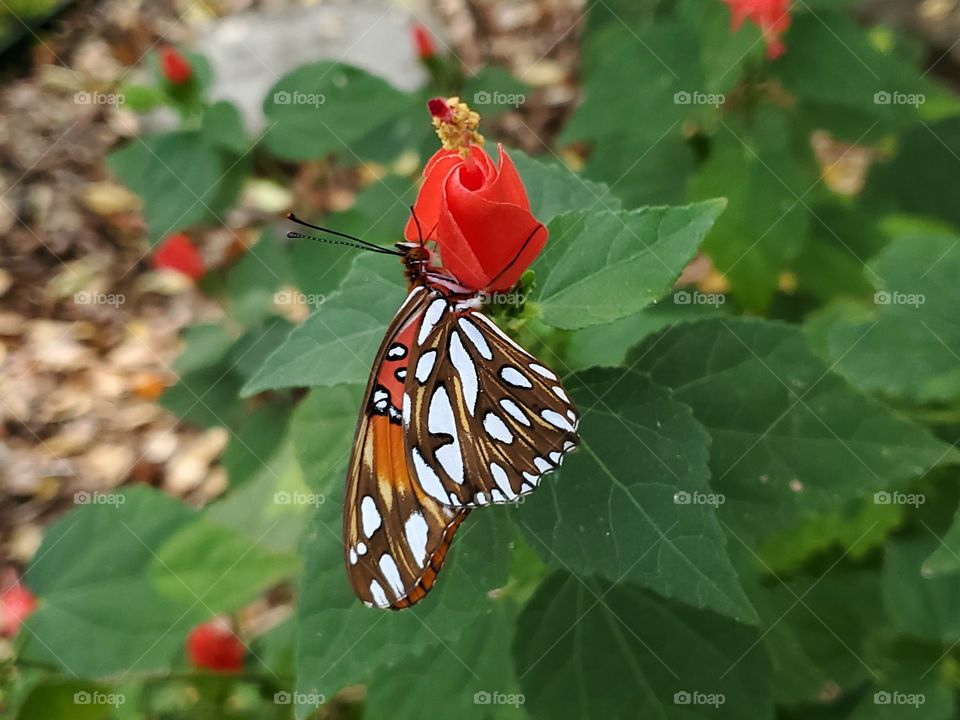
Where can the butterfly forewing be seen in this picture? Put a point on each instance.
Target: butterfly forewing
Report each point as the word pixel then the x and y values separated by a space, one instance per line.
pixel 395 535
pixel 484 419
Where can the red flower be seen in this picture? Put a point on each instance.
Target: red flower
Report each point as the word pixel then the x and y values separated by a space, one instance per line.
pixel 480 216
pixel 176 68
pixel 16 603
pixel 213 646
pixel 771 16
pixel 423 41
pixel 178 253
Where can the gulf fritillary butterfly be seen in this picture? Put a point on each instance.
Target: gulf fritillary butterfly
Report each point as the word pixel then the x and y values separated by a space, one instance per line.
pixel 456 415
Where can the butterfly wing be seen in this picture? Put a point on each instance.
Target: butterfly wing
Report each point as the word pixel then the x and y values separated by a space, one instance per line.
pixel 396 536
pixel 484 419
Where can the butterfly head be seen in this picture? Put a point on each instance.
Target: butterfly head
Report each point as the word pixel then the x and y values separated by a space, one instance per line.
pixel 416 260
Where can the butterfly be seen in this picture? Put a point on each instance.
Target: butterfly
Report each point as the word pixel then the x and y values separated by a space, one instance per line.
pixel 456 415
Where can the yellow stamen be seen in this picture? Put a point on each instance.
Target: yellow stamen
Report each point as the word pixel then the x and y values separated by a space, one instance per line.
pixel 459 129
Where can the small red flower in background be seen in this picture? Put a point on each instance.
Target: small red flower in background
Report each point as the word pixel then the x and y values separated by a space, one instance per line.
pixel 423 42
pixel 213 646
pixel 771 16
pixel 178 253
pixel 16 603
pixel 176 68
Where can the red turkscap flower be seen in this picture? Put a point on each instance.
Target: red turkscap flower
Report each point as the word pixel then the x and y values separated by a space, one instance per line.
pixel 480 216
pixel 176 68
pixel 178 253
pixel 16 603
pixel 423 42
pixel 213 646
pixel 771 16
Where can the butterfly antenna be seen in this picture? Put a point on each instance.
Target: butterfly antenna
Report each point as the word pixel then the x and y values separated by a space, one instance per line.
pixel 298 221
pixel 515 257
pixel 419 228
pixel 368 246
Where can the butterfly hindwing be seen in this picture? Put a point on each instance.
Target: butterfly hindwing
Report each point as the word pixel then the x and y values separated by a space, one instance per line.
pixel 484 419
pixel 396 536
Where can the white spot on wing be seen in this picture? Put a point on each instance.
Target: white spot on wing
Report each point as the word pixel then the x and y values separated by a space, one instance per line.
pixel 379 597
pixel 542 465
pixel 440 420
pixel 542 371
pixel 361 548
pixel 556 457
pixel 476 337
pixel 502 480
pixel 388 567
pixel 428 478
pixel 480 499
pixel 425 366
pixel 559 392
pixel 369 515
pixel 556 419
pixel 465 369
pixel 416 532
pixel 515 411
pixel 430 319
pixel 513 377
pixel 496 428
pixel 353 556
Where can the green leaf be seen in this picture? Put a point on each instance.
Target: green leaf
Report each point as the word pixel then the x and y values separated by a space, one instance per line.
pixel 222 127
pixel 338 341
pixel 754 166
pixel 216 566
pixel 342 642
pixel 945 559
pixel 206 345
pixel 589 650
pixel 465 674
pixel 323 107
pixel 322 431
pixel 602 266
pixel 56 698
pixel 90 575
pixel 554 188
pixel 252 283
pixel 919 605
pixel 789 438
pixel 627 504
pixel 914 312
pixel 177 175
